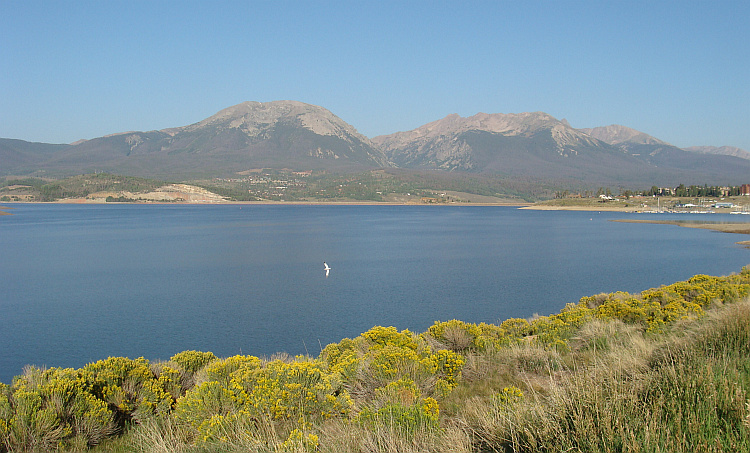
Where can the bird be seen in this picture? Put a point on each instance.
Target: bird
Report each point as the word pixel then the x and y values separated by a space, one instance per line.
pixel 326 267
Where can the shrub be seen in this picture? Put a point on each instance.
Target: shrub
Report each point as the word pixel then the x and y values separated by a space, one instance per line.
pixel 192 361
pixel 515 328
pixel 423 414
pixel 403 391
pixel 130 387
pixel 46 408
pixel 390 336
pixel 221 370
pixel 279 391
pixel 343 358
pixel 457 335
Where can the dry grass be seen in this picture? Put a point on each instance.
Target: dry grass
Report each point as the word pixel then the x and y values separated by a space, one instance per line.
pixel 681 393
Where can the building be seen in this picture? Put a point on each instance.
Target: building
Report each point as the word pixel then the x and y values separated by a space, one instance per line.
pixel 745 189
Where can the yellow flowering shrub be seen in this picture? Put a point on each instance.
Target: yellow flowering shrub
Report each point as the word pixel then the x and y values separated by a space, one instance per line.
pixel 221 370
pixel 390 336
pixel 391 362
pixel 403 391
pixel 515 328
pixel 447 365
pixel 130 386
pixel 423 414
pixel 170 378
pixel 204 401
pixel 300 390
pixel 383 357
pixel 192 361
pixel 46 408
pixel 299 441
pixel 508 396
pixel 288 390
pixel 631 309
pixel 342 357
pixel 6 413
pixel 457 335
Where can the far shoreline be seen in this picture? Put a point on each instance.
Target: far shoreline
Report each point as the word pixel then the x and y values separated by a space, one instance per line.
pixel 266 203
pixel 722 227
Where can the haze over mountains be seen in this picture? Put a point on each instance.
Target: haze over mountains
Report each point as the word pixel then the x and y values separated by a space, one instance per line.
pixel 294 135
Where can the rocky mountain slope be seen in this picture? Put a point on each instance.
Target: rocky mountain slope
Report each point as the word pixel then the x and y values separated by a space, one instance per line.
pixel 443 143
pixel 617 135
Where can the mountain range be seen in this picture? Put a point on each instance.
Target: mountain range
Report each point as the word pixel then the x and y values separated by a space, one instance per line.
pixel 299 136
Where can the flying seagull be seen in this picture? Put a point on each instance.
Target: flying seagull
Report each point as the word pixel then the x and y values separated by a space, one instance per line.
pixel 326 267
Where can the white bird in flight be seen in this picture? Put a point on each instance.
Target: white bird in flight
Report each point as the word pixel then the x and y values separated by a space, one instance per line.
pixel 326 267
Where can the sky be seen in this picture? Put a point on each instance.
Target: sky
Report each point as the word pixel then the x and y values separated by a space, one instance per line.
pixel 677 70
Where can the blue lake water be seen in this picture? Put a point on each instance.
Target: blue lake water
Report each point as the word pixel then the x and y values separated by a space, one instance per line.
pixel 81 283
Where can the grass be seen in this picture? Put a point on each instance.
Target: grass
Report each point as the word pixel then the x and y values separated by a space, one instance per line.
pixel 686 391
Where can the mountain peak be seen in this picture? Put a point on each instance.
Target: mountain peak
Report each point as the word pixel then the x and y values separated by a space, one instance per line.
pixel 508 124
pixel 451 143
pixel 616 134
pixel 504 123
pixel 254 118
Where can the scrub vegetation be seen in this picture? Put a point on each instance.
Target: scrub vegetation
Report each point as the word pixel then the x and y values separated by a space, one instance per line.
pixel 663 370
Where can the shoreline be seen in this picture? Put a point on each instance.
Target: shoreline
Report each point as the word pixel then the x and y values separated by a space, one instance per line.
pixel 721 227
pixel 519 205
pixel 538 207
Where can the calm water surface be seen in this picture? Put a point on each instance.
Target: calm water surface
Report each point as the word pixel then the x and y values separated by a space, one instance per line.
pixel 82 283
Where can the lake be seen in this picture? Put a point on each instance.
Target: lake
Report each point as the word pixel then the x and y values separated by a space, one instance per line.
pixel 81 283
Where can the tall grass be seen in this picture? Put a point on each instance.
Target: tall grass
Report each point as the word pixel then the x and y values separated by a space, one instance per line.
pixel 685 392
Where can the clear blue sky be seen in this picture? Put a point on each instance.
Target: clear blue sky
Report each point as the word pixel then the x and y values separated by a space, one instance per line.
pixel 679 71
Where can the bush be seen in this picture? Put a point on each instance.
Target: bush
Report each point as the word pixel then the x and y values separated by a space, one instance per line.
pixel 49 408
pixel 192 361
pixel 279 391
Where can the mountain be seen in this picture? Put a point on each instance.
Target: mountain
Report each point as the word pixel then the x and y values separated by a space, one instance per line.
pixel 537 145
pixel 720 150
pixel 526 144
pixel 719 168
pixel 532 146
pixel 620 135
pixel 280 134
pixel 23 156
pixel 451 143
